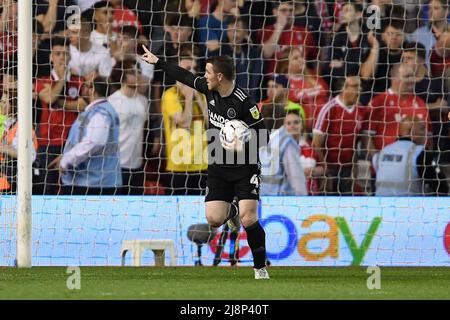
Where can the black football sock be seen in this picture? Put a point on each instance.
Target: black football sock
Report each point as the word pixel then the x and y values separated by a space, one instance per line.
pixel 256 239
pixel 234 210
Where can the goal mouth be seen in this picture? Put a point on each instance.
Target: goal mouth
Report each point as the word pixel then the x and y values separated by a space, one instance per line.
pixel 98 146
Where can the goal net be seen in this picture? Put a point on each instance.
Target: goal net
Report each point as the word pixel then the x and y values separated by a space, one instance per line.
pixel 360 87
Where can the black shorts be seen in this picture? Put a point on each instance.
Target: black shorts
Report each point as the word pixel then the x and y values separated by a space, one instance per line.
pixel 226 183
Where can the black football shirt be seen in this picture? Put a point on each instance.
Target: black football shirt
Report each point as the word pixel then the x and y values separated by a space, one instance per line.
pixel 238 105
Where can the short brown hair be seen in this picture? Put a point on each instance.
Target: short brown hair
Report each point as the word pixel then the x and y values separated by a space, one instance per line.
pixel 224 65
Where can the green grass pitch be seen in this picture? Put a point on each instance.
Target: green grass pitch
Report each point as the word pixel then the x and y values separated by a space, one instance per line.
pixel 204 283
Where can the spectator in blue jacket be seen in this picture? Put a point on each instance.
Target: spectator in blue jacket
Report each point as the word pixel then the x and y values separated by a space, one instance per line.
pixel 90 163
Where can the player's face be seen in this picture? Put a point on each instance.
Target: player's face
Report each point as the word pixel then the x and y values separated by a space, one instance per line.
pixel 293 124
pixel 350 94
pixel 59 56
pixel 212 78
pixel 393 38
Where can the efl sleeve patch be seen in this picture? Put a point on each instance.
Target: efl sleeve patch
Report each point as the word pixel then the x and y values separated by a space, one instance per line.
pixel 255 112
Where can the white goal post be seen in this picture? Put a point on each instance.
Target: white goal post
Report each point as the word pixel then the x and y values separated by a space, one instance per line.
pixel 24 161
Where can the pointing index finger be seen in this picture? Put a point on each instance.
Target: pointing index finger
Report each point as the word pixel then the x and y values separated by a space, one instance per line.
pixel 145 49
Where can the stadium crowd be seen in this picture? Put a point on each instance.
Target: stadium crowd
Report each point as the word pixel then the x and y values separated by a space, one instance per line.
pixel 361 95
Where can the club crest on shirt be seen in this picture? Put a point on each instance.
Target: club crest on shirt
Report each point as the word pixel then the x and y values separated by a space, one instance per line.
pixel 255 112
pixel 231 113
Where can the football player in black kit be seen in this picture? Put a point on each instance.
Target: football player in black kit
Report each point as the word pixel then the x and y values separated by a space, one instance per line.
pixel 226 101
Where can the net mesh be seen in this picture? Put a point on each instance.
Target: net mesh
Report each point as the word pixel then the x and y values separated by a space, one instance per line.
pixel 294 56
pixel 346 78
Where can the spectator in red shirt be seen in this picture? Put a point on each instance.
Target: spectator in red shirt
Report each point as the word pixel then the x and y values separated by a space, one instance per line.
pixel 60 98
pixel 335 134
pixel 305 86
pixel 388 109
pixel 275 38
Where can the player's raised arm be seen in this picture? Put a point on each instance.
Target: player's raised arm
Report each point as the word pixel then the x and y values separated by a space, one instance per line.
pixel 188 78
